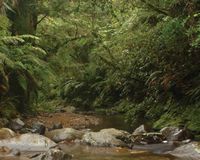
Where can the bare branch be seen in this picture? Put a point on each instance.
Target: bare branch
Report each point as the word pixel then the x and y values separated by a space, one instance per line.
pixel 38 22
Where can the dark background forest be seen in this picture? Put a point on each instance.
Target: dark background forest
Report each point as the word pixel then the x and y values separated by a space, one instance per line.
pixel 136 57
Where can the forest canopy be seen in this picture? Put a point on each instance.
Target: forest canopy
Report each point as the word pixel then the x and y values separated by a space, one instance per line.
pixel 137 57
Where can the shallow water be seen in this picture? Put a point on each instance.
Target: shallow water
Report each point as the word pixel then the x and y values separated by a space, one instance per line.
pixel 149 152
pixel 81 152
pixel 111 121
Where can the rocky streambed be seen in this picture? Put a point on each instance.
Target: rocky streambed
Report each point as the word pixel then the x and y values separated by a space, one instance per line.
pixel 66 136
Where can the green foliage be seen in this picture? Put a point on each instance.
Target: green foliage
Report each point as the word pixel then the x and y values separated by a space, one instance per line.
pixel 145 60
pixel 139 57
pixel 22 70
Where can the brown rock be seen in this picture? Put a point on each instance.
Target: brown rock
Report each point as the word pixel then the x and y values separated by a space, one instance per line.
pixel 6 133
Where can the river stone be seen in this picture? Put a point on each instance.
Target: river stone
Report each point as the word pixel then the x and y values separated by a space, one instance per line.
pixel 53 154
pixel 38 128
pixel 140 130
pixel 6 133
pixel 16 124
pixel 175 133
pixel 107 138
pixel 189 151
pixel 148 138
pixel 65 134
pixel 28 142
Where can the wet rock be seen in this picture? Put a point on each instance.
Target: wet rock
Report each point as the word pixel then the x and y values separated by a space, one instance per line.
pixel 16 124
pixel 189 151
pixel 186 141
pixel 6 133
pixel 53 154
pixel 65 134
pixel 140 130
pixel 107 138
pixel 168 132
pixel 176 134
pixel 25 130
pixel 38 128
pixel 148 138
pixel 28 142
pixel 16 153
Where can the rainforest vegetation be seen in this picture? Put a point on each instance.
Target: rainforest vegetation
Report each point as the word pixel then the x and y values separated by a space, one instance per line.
pixel 136 57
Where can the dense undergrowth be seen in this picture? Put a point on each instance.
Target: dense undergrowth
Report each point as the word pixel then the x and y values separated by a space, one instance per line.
pixel 138 57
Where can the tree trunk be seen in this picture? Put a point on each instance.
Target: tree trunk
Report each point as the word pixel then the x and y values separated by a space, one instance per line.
pixel 24 19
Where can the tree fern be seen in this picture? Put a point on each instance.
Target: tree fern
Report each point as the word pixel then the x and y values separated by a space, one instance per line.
pixel 22 66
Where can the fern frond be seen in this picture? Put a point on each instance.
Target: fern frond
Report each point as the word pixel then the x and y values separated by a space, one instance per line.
pixel 194 94
pixel 31 59
pixel 38 50
pixel 12 40
pixel 29 37
pixel 5 60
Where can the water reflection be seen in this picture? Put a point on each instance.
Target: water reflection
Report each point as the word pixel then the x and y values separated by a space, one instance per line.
pixel 82 152
pixel 112 121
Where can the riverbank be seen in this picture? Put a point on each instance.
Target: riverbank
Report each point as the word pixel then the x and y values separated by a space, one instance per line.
pixel 66 119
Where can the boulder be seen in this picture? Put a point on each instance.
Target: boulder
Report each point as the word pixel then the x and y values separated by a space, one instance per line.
pixel 148 138
pixel 107 138
pixel 65 134
pixel 176 134
pixel 52 154
pixel 189 151
pixel 38 128
pixel 16 124
pixel 28 142
pixel 140 130
pixel 6 133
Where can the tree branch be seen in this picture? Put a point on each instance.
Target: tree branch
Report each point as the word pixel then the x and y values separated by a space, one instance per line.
pixel 38 22
pixel 155 8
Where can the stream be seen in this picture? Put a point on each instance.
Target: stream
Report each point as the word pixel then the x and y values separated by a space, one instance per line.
pixel 85 152
pixel 148 152
pixel 81 152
